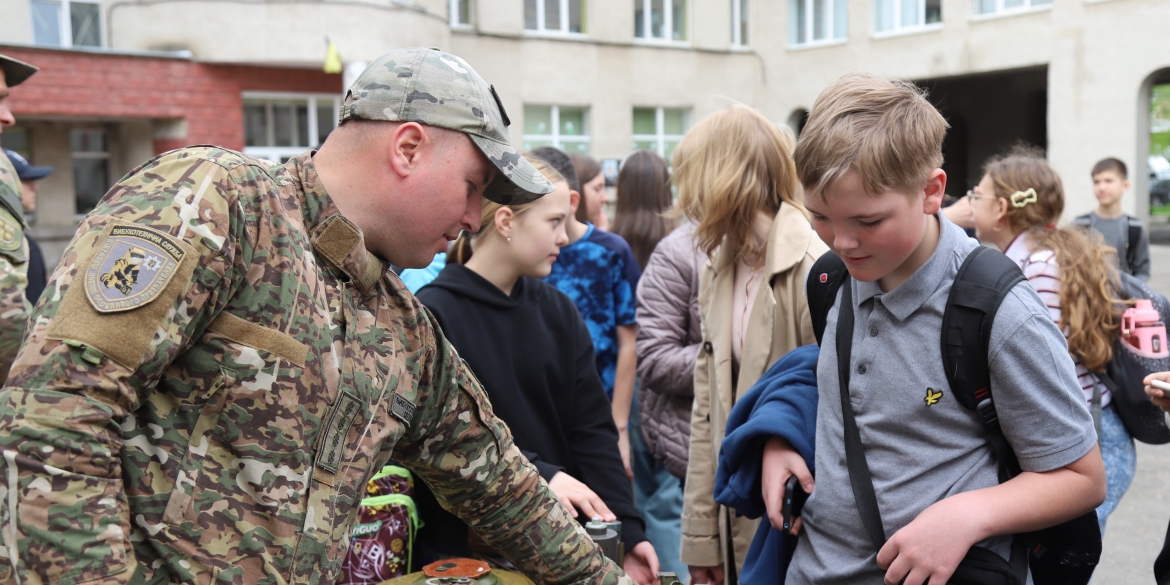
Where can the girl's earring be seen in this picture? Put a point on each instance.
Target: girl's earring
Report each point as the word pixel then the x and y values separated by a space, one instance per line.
pixel 509 238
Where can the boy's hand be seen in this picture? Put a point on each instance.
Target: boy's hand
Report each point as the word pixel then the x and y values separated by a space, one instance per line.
pixel 780 462
pixel 1160 397
pixel 929 548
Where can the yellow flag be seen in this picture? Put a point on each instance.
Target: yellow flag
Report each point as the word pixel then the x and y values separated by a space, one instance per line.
pixel 332 57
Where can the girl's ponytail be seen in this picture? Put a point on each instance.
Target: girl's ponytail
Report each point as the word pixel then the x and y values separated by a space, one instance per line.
pixel 460 249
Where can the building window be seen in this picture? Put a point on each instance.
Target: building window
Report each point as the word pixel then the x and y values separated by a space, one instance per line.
pixel 563 127
pixel 460 13
pixel 739 22
pixel 280 126
pixel 660 129
pixel 661 19
pixel 65 23
pixel 91 167
pixel 554 16
pixel 1007 6
pixel 905 15
pixel 814 22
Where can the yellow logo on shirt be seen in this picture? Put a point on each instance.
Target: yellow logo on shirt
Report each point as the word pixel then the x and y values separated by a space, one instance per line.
pixel 933 396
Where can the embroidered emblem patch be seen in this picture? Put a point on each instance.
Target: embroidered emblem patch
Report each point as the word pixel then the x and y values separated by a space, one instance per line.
pixel 10 234
pixel 131 269
pixel 340 420
pixel 933 396
pixel 402 409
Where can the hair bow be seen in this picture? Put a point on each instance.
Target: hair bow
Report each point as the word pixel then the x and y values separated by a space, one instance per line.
pixel 1022 198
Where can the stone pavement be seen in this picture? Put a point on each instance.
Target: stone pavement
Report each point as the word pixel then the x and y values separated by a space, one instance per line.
pixel 1137 528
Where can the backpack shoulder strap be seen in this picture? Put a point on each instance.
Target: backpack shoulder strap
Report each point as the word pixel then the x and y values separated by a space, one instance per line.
pixel 1135 233
pixel 824 280
pixel 983 280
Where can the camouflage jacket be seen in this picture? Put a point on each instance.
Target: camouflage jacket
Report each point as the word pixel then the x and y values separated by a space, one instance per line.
pixel 14 307
pixel 218 366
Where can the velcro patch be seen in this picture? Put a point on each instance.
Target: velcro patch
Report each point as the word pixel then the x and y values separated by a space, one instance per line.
pixel 341 418
pixel 11 236
pixel 131 268
pixel 402 409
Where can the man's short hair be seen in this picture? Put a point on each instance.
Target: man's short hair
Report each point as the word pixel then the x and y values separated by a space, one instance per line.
pixel 884 129
pixel 562 163
pixel 1110 164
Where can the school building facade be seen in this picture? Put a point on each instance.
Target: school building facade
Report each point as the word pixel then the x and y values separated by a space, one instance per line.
pixel 137 77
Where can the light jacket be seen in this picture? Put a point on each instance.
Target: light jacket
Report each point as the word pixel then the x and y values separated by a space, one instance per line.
pixel 669 339
pixel 779 322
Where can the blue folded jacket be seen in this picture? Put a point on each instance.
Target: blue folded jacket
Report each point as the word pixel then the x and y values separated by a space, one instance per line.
pixel 783 403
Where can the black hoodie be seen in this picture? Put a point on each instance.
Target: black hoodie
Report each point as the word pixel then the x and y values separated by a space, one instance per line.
pixel 534 356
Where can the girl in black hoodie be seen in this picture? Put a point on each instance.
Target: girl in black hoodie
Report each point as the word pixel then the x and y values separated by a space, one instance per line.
pixel 532 352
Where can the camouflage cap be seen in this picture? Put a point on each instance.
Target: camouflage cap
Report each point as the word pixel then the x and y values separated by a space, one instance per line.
pixel 15 72
pixel 439 89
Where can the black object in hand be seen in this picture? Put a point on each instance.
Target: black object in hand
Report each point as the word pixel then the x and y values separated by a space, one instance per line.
pixel 794 498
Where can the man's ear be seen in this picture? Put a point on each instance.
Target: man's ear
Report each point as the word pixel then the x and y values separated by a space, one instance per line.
pixel 574 202
pixel 405 147
pixel 936 187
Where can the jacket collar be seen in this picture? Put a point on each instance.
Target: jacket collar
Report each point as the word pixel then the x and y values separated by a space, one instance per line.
pixel 788 241
pixel 333 236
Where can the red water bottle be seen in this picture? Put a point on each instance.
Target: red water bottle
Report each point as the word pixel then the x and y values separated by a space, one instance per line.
pixel 1143 329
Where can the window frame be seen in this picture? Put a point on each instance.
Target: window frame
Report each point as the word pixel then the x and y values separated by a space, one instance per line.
pixel 453 14
pixel 810 20
pixel 104 155
pixel 556 139
pixel 276 153
pixel 898 29
pixel 738 7
pixel 660 137
pixel 1029 7
pixel 668 23
pixel 563 31
pixel 65 24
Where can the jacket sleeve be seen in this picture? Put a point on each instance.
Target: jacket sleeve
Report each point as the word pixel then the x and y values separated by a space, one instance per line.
pixel 458 446
pixel 666 361
pixel 595 442
pixel 14 307
pixel 65 516
pixel 700 517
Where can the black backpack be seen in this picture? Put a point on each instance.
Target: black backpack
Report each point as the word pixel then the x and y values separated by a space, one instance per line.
pixel 1065 554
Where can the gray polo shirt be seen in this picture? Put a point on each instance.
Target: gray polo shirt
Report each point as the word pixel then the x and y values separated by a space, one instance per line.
pixel 921 453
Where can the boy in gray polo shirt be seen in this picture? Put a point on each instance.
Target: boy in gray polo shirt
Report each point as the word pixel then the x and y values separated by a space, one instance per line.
pixel 869 161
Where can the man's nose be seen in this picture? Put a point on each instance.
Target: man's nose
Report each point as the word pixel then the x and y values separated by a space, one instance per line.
pixel 471 216
pixel 6 117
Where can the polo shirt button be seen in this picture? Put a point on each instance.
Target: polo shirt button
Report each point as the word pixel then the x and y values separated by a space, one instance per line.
pixel 873 331
pixel 861 369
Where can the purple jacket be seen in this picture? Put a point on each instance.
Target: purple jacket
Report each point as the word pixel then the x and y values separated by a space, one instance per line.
pixel 669 338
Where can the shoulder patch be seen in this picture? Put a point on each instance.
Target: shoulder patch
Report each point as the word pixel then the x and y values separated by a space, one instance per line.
pixel 131 268
pixel 11 235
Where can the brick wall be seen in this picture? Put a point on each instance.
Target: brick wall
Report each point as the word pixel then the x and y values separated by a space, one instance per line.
pixel 76 84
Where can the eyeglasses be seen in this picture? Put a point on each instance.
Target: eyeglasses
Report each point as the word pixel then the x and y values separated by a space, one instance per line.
pixel 973 196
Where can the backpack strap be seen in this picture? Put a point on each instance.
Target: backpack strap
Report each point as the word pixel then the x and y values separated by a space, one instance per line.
pixel 820 289
pixel 983 280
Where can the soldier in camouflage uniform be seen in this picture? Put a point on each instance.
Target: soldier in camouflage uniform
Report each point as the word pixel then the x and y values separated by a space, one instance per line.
pixel 222 358
pixel 14 307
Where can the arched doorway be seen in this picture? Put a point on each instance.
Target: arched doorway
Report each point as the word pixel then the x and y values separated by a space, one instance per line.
pixel 1151 174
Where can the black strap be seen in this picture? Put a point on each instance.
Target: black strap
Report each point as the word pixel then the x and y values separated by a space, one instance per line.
pixel 982 282
pixel 820 288
pixel 859 475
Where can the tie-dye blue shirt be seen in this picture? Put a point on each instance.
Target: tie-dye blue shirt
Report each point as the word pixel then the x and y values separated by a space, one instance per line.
pixel 600 273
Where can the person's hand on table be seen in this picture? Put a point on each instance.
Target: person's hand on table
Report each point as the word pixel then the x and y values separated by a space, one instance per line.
pixel 576 495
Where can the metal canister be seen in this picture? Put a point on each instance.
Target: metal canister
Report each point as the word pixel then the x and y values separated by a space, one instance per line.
pixel 605 537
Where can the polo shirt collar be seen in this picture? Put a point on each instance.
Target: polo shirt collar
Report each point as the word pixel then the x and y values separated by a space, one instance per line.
pixel 912 294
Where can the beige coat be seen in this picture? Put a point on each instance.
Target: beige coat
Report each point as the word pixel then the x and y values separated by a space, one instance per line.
pixel 779 322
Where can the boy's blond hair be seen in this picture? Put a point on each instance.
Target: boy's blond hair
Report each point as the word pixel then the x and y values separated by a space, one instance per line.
pixel 728 167
pixel 884 129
